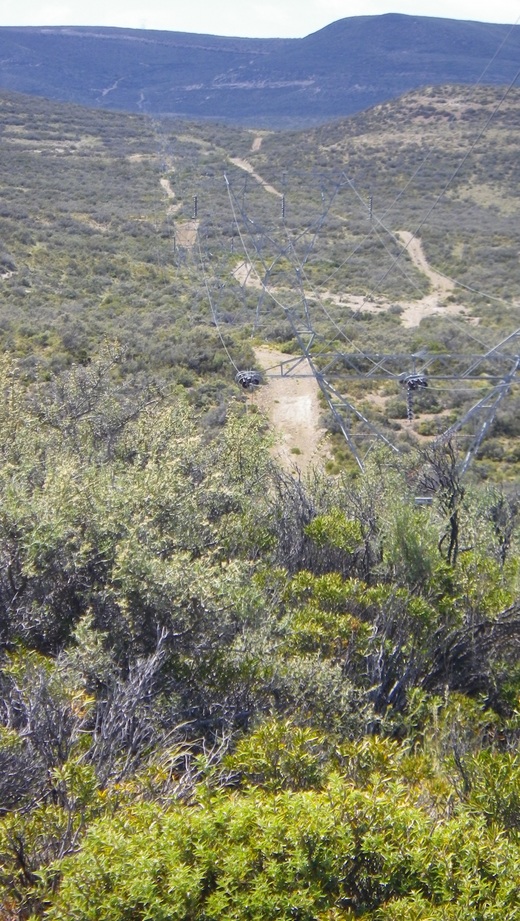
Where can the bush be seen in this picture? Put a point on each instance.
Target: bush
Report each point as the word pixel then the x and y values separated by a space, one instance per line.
pixel 307 855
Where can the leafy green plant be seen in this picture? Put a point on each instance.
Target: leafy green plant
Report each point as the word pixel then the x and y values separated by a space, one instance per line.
pixel 255 854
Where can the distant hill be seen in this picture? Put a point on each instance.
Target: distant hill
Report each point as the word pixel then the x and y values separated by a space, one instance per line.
pixel 346 67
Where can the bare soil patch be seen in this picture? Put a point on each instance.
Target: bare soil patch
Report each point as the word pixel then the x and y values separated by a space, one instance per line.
pixel 412 311
pixel 166 186
pixel 186 234
pixel 292 406
pixel 442 287
pixel 249 168
pixel 247 276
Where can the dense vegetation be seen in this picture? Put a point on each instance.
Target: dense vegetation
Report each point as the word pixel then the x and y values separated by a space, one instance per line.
pixel 227 692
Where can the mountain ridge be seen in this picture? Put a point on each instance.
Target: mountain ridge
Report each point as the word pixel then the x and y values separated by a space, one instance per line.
pixel 346 67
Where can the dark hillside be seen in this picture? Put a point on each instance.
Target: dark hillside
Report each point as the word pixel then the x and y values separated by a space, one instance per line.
pixel 344 68
pixel 117 68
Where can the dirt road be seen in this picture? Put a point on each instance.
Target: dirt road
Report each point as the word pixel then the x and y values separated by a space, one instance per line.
pixel 437 301
pixel 248 168
pixel 292 406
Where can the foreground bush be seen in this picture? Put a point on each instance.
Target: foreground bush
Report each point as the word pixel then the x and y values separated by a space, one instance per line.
pixel 338 853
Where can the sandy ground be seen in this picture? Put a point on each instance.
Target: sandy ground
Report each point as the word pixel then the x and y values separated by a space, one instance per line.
pixel 248 167
pixel 442 287
pixel 247 276
pixel 292 406
pixel 186 233
pixel 166 186
pixel 165 183
pixel 413 311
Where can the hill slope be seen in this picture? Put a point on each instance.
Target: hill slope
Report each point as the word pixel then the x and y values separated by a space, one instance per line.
pixel 344 68
pixel 169 237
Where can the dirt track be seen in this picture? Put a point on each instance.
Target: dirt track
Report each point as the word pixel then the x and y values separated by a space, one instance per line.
pixel 291 403
pixel 248 168
pixel 292 406
pixel 436 302
pixel 442 287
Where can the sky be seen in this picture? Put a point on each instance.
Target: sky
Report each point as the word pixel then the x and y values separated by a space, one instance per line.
pixel 246 18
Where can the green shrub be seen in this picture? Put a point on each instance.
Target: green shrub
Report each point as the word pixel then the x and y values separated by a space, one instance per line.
pixel 341 853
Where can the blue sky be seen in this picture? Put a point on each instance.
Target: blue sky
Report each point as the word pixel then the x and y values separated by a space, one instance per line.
pixel 250 18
